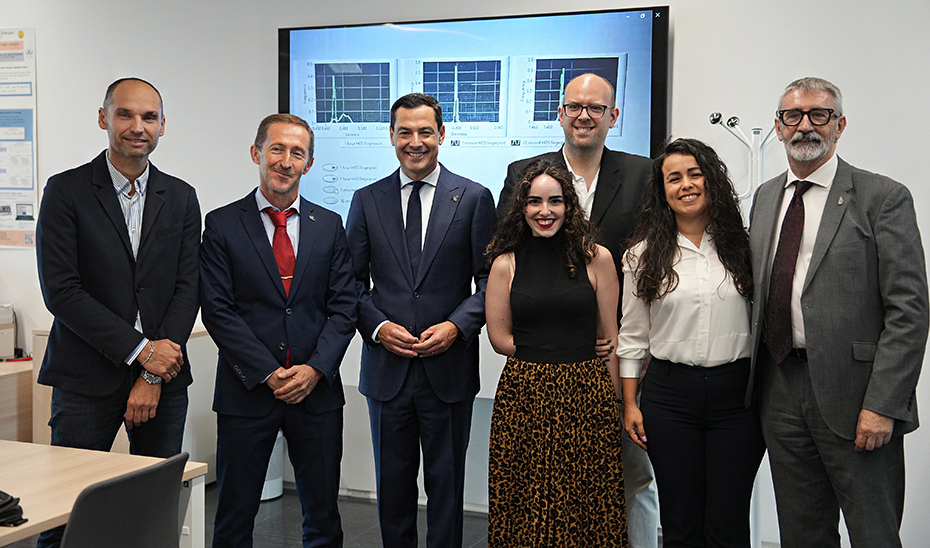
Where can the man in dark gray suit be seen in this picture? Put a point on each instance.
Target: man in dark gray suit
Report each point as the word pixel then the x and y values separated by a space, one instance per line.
pixel 840 319
pixel 609 185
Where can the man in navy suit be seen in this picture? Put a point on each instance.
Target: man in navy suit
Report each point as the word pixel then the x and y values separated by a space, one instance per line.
pixel 417 239
pixel 282 331
pixel 116 245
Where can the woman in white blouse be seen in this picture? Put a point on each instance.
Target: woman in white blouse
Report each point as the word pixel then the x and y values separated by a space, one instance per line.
pixel 686 288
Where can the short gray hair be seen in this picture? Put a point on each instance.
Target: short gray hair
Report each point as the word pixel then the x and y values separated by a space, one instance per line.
pixel 811 83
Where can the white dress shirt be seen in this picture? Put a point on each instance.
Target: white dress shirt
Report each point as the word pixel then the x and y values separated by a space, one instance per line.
pixel 815 199
pixel 704 321
pixel 585 194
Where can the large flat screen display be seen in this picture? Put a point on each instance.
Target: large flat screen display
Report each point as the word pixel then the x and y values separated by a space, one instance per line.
pixel 499 81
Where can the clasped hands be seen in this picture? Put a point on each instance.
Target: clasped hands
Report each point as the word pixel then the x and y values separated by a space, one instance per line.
pixel 434 340
pixel 294 384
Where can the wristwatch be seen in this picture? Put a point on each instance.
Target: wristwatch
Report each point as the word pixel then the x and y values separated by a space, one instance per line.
pixel 150 377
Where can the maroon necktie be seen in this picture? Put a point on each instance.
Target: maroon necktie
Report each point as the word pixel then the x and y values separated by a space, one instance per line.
pixel 778 310
pixel 283 253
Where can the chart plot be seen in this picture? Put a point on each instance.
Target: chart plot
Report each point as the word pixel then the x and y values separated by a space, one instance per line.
pixel 353 93
pixel 469 91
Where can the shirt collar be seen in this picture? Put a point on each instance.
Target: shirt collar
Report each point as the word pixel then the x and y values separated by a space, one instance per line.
pixel 822 176
pixel 263 202
pixel 575 176
pixel 432 179
pixel 123 184
pixel 706 243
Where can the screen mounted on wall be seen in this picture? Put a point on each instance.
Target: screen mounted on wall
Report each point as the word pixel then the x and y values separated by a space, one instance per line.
pixel 499 81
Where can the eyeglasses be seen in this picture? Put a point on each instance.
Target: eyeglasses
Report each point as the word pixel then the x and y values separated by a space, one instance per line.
pixel 817 116
pixel 573 110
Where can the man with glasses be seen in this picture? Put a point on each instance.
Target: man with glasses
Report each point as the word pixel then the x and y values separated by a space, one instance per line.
pixel 840 320
pixel 610 186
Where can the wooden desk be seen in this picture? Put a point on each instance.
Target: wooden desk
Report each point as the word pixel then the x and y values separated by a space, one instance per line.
pixel 16 400
pixel 48 480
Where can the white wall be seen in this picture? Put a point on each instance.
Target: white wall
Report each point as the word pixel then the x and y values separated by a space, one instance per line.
pixel 216 65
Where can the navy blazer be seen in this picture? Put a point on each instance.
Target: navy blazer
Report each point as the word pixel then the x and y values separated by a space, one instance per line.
pixel 94 287
pixel 254 323
pixel 460 226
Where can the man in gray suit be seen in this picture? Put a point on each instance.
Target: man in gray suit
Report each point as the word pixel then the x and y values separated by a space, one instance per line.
pixel 840 319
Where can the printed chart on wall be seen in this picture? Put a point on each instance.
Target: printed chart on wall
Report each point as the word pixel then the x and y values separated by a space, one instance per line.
pixel 18 195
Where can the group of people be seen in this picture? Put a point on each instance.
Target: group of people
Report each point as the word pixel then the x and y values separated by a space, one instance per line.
pixel 625 292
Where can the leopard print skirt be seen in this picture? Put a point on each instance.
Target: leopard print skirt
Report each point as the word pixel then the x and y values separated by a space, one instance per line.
pixel 555 464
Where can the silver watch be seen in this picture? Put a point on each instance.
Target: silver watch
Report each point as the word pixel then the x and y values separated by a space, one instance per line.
pixel 150 377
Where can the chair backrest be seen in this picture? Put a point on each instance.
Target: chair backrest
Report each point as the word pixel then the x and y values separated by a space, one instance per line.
pixel 135 510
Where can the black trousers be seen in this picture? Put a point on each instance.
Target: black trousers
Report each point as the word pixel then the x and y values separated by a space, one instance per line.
pixel 705 447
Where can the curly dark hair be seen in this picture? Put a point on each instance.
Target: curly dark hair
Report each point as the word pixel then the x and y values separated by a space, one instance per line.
pixel 656 225
pixel 576 239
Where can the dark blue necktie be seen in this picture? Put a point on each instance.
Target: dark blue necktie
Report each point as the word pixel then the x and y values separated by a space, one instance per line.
pixel 414 226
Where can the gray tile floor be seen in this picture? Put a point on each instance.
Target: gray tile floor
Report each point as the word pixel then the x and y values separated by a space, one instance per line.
pixel 278 524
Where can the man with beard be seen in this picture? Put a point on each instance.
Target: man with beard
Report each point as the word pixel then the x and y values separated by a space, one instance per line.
pixel 609 184
pixel 840 319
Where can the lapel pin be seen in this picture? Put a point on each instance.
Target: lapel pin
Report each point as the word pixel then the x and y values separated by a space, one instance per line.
pixel 840 201
pixel 312 218
pixel 455 198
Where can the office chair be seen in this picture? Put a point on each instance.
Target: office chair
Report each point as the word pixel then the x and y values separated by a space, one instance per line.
pixel 135 510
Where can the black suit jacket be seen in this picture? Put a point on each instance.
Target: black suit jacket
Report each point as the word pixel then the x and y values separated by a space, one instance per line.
pixel 254 323
pixel 94 287
pixel 620 185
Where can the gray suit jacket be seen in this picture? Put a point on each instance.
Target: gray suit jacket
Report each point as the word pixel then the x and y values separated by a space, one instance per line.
pixel 864 300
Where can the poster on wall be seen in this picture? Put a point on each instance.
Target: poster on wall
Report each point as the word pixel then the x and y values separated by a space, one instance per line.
pixel 18 193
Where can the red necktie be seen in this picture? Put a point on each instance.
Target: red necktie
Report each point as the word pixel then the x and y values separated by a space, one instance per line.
pixel 778 309
pixel 283 254
pixel 281 243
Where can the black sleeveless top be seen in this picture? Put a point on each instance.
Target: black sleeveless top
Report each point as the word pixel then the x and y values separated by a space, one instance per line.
pixel 554 316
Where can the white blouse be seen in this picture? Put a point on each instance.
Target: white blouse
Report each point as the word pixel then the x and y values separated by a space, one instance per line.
pixel 703 322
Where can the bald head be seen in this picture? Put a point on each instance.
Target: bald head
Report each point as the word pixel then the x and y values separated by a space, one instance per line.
pixel 594 82
pixel 585 134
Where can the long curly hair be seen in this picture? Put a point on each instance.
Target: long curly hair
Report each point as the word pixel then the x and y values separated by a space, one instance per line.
pixel 656 225
pixel 575 242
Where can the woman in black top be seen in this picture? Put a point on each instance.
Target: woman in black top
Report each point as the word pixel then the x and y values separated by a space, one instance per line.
pixel 555 463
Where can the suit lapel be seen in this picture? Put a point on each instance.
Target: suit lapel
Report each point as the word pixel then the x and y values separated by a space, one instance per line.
pixel 153 203
pixel 770 198
pixel 106 195
pixel 391 216
pixel 608 185
pixel 446 200
pixel 251 220
pixel 305 246
pixel 833 212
